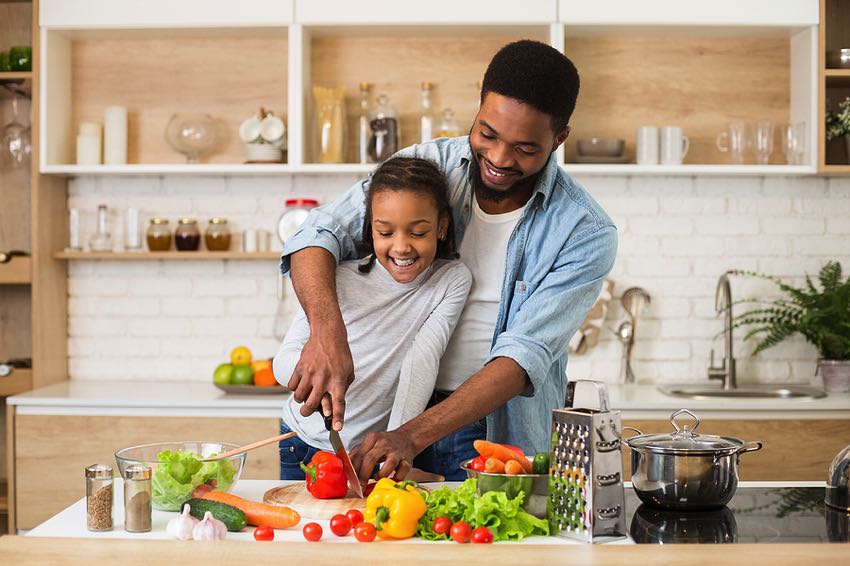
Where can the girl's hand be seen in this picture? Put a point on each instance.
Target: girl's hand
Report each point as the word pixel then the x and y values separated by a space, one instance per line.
pixel 395 449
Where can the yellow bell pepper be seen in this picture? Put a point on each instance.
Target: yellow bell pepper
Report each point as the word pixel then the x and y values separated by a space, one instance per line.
pixel 394 508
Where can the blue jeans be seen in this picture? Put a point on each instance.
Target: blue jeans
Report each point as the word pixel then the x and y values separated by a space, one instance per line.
pixel 444 456
pixel 293 451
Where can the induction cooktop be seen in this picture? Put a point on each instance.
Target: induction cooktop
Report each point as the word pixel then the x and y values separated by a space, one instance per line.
pixel 754 515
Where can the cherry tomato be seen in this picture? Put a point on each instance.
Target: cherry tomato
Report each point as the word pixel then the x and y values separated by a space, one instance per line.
pixel 312 531
pixel 264 533
pixel 340 525
pixel 482 535
pixel 365 532
pixel 355 516
pixel 442 525
pixel 461 532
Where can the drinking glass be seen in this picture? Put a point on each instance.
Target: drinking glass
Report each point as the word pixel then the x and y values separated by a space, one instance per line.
pixel 763 142
pixel 736 140
pixel 16 146
pixel 794 142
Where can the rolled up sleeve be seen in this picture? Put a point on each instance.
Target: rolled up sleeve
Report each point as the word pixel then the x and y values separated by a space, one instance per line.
pixel 543 325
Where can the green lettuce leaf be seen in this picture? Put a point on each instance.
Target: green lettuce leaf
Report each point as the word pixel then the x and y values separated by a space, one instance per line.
pixel 179 473
pixel 505 517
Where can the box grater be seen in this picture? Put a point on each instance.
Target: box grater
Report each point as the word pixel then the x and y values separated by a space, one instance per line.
pixel 586 499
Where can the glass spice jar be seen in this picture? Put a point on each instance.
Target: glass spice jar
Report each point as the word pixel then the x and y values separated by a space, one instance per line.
pixel 158 235
pixel 187 237
pixel 99 497
pixel 137 499
pixel 217 235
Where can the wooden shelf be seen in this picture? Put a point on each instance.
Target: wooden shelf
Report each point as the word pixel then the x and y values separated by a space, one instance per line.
pixel 13 76
pixel 19 381
pixel 837 77
pixel 835 170
pixel 17 272
pixel 141 256
pixel 690 170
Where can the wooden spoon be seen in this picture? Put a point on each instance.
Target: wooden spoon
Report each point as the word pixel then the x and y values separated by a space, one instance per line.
pixel 251 446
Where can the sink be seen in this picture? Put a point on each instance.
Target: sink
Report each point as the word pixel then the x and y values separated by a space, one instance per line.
pixel 701 392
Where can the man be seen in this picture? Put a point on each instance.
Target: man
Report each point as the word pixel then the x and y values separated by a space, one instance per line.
pixel 538 247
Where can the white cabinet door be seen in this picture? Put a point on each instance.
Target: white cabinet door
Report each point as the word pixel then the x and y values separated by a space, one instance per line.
pixel 87 14
pixel 690 12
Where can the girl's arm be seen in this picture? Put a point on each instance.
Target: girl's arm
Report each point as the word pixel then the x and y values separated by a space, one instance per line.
pixel 422 361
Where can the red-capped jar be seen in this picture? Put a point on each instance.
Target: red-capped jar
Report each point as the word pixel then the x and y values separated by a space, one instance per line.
pixel 294 214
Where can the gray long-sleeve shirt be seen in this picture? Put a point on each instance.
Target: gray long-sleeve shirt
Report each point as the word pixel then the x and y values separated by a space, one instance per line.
pixel 397 333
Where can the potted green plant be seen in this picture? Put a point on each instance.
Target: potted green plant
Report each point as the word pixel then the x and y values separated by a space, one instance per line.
pixel 820 315
pixel 838 124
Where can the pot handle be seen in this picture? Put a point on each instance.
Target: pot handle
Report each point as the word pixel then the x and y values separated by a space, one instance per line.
pixel 753 446
pixel 639 433
pixel 685 430
pixel 601 390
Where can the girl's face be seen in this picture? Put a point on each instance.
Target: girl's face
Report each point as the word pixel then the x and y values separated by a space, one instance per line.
pixel 405 229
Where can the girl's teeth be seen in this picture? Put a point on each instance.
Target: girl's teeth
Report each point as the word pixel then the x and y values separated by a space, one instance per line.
pixel 402 262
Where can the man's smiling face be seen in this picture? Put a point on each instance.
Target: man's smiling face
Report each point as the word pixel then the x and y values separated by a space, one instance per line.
pixel 511 142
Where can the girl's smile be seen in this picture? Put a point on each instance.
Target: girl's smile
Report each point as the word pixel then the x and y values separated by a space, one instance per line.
pixel 405 229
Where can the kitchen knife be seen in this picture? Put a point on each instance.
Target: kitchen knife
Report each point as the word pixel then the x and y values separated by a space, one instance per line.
pixel 339 450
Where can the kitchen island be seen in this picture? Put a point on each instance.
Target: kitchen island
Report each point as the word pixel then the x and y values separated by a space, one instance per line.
pixel 61 418
pixel 65 536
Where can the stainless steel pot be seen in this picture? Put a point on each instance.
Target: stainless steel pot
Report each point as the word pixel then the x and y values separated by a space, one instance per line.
pixel 685 470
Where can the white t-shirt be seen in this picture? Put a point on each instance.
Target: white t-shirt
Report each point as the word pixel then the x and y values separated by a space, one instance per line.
pixel 483 251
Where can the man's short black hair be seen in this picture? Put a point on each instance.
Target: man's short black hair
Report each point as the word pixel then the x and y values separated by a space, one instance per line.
pixel 536 74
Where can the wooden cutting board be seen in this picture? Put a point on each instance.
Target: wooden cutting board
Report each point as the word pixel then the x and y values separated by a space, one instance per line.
pixel 297 497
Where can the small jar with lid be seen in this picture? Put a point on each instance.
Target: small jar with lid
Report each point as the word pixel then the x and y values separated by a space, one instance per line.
pixel 294 214
pixel 137 499
pixel 217 235
pixel 158 235
pixel 99 486
pixel 187 237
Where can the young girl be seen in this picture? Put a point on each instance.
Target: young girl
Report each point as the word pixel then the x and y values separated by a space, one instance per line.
pixel 400 306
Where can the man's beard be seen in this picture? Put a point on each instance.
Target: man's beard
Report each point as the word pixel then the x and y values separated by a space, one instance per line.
pixel 484 192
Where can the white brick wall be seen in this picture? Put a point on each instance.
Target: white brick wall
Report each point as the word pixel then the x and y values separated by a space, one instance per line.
pixel 155 320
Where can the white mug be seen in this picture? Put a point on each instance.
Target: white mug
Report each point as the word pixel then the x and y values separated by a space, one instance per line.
pixel 249 240
pixel 647 145
pixel 674 145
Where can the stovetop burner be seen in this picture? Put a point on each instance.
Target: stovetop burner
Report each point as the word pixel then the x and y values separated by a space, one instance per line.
pixel 755 515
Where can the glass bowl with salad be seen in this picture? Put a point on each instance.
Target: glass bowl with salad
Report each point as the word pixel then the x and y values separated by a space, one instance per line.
pixel 178 472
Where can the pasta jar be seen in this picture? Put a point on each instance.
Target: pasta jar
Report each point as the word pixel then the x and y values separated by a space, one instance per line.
pixel 158 235
pixel 294 214
pixel 187 237
pixel 217 235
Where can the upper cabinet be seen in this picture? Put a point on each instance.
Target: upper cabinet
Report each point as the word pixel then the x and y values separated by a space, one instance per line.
pixel 698 65
pixel 124 14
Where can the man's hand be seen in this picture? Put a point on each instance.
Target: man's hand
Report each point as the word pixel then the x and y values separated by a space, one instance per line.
pixel 394 449
pixel 324 369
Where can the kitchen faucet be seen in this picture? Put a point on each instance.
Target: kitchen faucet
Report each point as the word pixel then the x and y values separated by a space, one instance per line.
pixel 723 305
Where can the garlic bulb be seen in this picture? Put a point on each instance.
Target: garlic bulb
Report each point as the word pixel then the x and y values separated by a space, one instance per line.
pixel 180 527
pixel 209 528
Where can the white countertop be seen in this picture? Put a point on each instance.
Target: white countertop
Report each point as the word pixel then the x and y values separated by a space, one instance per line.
pixel 121 398
pixel 71 522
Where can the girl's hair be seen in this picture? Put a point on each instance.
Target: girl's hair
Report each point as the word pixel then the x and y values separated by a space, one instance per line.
pixel 419 176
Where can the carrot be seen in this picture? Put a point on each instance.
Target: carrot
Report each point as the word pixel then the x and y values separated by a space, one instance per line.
pixel 513 467
pixel 503 453
pixel 494 466
pixel 275 516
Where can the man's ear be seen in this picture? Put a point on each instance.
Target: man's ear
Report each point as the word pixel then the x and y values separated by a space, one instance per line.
pixel 561 137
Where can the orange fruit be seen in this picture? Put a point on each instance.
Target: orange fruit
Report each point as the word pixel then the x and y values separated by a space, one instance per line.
pixel 261 365
pixel 240 356
pixel 264 377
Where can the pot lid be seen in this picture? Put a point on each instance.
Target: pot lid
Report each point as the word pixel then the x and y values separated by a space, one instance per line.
pixel 685 440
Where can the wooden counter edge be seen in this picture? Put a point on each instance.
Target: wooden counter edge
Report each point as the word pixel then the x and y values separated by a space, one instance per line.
pixel 38 550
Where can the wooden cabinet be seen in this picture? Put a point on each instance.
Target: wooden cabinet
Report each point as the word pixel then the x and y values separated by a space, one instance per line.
pixel 794 449
pixel 53 450
pixel 833 155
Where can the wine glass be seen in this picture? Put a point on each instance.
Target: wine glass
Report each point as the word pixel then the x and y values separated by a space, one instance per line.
pixel 16 146
pixel 794 142
pixel 193 135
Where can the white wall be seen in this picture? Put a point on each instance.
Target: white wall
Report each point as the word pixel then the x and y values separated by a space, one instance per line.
pixel 176 320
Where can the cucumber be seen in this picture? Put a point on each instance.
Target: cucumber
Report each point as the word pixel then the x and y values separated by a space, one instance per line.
pixel 233 518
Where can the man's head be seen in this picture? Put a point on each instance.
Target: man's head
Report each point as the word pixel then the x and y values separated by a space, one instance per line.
pixel 527 97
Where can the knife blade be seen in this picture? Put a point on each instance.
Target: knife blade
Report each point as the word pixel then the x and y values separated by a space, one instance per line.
pixel 342 454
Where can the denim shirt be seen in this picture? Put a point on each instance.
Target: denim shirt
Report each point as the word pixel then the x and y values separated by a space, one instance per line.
pixel 558 256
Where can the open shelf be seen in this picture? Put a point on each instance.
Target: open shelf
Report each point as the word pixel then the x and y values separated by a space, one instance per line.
pixel 18 271
pixel 174 255
pixel 690 170
pixel 19 381
pixel 837 77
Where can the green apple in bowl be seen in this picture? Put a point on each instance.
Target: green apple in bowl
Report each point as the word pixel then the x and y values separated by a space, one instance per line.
pixel 223 374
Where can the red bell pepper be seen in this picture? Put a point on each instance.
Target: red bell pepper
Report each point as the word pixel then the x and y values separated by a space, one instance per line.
pixel 325 476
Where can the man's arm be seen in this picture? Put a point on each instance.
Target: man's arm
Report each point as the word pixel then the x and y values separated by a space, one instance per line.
pixel 491 387
pixel 325 365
